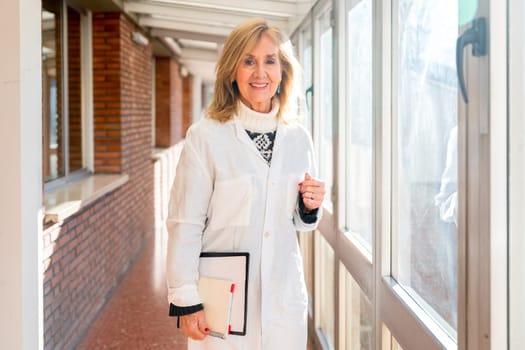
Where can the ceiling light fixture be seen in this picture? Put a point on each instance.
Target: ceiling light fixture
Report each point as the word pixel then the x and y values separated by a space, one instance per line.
pixel 139 39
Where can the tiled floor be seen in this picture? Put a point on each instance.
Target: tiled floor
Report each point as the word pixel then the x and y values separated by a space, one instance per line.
pixel 136 316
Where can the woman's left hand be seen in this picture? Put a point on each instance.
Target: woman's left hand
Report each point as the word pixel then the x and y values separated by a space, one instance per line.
pixel 312 191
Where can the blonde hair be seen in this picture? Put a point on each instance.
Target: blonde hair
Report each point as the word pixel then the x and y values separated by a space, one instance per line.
pixel 243 37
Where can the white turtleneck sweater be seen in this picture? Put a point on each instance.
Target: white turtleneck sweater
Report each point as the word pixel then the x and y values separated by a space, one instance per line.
pixel 261 127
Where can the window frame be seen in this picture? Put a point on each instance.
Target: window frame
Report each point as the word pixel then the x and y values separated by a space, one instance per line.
pixel 86 95
pixel 516 107
pixel 408 323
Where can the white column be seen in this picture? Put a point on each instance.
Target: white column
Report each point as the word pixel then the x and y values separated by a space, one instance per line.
pixel 197 98
pixel 516 174
pixel 21 175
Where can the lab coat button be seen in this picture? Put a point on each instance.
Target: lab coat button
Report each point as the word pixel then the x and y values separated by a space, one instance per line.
pixel 267 234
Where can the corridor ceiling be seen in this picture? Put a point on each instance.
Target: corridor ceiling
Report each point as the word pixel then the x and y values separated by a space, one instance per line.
pixel 194 31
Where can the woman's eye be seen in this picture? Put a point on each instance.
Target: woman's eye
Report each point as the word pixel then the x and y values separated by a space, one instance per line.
pixel 270 61
pixel 249 62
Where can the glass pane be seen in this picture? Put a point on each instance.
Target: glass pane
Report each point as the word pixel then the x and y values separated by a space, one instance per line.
pixel 358 315
pixel 308 69
pixel 359 133
pixel 306 242
pixel 326 299
pixel 395 344
pixel 326 101
pixel 425 161
pixel 51 90
pixel 74 90
pixel 389 342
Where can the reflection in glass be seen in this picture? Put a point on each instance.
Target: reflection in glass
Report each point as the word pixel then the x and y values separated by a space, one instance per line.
pixel 389 342
pixel 306 242
pixel 468 10
pixel 61 112
pixel 358 315
pixel 395 344
pixel 51 116
pixel 326 102
pixel 359 133
pixel 425 168
pixel 308 69
pixel 326 270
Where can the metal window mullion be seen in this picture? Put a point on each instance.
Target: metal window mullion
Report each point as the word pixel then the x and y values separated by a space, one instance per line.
pixel 474 227
pixel 316 139
pixel 391 269
pixel 65 89
pixel 498 176
pixel 516 76
pixel 382 250
pixel 381 55
pixel 339 147
pixel 86 87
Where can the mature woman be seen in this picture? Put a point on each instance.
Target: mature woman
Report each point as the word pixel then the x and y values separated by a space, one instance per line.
pixel 245 182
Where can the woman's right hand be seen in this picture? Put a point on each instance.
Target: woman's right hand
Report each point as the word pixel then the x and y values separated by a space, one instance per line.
pixel 194 325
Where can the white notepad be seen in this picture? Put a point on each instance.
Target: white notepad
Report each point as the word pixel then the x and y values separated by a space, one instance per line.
pixel 231 267
pixel 216 295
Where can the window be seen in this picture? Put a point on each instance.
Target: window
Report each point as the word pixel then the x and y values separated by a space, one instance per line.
pixel 325 284
pixel 306 241
pixel 359 122
pixel 62 91
pixel 389 342
pixel 306 59
pixel 425 168
pixel 356 317
pixel 325 100
pixel 402 144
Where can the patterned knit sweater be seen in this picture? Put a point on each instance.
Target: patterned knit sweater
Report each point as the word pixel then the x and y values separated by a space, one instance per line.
pixel 261 127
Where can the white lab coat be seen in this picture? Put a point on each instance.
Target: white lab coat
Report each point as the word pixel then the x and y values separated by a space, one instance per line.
pixel 225 197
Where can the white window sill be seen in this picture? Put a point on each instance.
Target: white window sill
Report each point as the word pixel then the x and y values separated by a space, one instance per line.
pixel 67 200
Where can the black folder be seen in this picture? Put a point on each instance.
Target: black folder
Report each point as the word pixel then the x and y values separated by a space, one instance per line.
pixel 231 266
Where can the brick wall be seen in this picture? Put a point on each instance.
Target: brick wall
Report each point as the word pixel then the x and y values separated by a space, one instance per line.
pixel 169 118
pixel 177 123
pixel 162 101
pixel 74 90
pixel 107 102
pixel 86 256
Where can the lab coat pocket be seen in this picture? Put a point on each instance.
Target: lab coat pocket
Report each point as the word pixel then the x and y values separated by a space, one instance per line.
pixel 231 203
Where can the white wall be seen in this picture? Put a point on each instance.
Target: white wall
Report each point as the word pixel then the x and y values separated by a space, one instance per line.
pixel 20 179
pixel 516 175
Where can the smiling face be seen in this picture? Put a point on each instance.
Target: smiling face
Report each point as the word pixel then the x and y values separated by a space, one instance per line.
pixel 259 75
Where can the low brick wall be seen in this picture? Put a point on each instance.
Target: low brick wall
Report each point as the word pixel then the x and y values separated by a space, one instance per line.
pixel 87 255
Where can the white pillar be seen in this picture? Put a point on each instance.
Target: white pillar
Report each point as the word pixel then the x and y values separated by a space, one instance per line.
pixel 197 98
pixel 21 175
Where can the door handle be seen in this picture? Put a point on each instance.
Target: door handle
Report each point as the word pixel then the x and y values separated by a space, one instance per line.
pixel 477 36
pixel 310 91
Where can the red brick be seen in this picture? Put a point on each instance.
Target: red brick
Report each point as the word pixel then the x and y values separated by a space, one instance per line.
pixel 95 246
